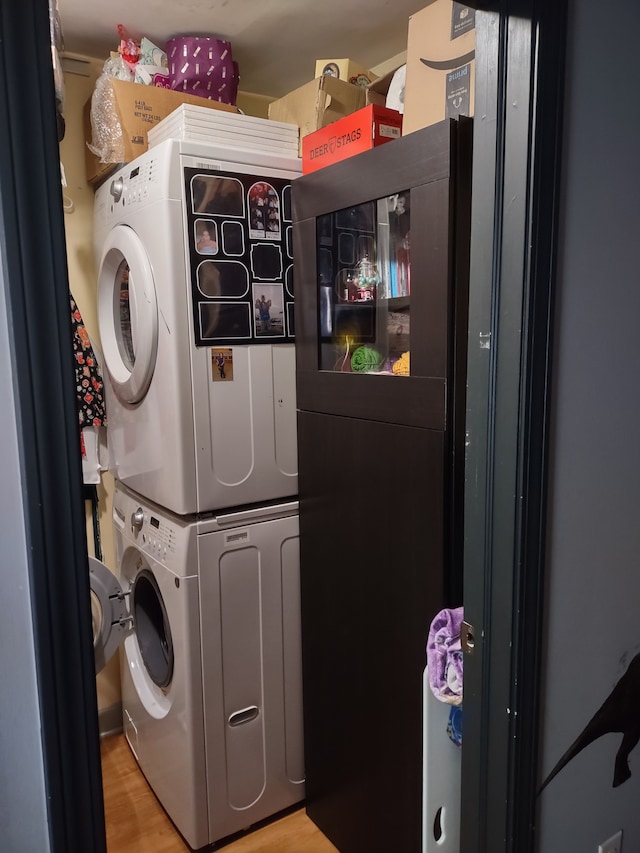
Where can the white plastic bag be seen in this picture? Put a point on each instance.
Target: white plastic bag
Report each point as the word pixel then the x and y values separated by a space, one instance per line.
pixel 107 142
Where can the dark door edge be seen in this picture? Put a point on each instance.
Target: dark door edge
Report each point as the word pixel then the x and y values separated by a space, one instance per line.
pixel 518 127
pixel 38 307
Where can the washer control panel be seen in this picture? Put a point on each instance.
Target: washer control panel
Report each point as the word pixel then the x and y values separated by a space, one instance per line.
pixel 159 537
pixel 152 535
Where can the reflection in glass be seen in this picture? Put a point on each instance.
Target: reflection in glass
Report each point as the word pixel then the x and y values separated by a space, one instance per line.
pixel 364 296
pixel 346 249
pixel 359 218
pixel 365 246
pixel 399 228
pixel 124 330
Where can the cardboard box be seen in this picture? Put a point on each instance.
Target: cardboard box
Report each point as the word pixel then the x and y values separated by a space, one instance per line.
pixel 135 109
pixel 345 69
pixel 317 103
pixel 440 64
pixel 367 128
pixel 377 91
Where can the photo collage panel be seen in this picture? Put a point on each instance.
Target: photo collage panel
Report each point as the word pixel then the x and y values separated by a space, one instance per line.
pixel 239 231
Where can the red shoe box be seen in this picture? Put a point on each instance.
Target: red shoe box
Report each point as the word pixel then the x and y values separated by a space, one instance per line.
pixel 364 129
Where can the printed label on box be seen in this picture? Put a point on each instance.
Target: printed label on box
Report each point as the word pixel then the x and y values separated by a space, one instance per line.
pixel 389 131
pixel 457 92
pixel 463 18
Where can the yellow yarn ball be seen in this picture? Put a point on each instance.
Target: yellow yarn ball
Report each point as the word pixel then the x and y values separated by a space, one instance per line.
pixel 401 366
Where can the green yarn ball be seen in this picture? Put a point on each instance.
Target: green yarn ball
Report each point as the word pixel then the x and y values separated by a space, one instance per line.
pixel 365 358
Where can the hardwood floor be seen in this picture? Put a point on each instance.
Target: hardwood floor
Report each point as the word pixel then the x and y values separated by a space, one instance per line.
pixel 137 823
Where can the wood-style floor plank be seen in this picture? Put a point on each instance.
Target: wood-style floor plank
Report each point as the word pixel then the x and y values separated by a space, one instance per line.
pixel 137 823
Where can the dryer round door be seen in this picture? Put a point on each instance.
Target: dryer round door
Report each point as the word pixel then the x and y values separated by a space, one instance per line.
pixel 109 616
pixel 127 314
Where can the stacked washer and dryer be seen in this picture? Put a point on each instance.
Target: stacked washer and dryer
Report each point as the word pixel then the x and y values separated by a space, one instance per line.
pixel 195 305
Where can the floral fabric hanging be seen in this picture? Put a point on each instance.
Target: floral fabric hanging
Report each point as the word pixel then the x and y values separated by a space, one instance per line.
pixel 89 383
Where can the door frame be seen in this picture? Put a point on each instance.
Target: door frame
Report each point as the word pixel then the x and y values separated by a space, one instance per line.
pixel 517 143
pixel 519 101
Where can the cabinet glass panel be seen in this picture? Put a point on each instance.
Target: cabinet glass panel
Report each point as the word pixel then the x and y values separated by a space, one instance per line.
pixel 364 287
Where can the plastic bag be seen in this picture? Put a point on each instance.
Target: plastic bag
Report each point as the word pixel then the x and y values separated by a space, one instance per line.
pixel 107 142
pixel 129 48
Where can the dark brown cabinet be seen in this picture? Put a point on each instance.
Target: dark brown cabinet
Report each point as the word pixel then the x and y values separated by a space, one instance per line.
pixel 381 244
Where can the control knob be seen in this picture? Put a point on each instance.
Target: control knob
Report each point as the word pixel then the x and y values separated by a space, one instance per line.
pixel 137 519
pixel 116 188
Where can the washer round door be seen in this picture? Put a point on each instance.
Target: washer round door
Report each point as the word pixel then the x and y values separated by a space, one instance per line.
pixel 145 617
pixel 152 629
pixel 127 314
pixel 109 615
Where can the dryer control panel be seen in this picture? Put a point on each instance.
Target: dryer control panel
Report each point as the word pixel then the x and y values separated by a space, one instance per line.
pixel 133 186
pixel 142 182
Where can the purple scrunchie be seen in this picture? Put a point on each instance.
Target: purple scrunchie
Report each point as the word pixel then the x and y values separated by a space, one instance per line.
pixel 444 656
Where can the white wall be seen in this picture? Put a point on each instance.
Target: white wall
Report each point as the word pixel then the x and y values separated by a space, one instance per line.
pixel 594 512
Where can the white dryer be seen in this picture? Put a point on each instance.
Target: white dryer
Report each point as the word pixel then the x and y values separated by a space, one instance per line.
pixel 195 309
pixel 208 617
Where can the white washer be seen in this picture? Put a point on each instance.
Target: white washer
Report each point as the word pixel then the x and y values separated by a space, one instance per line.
pixel 179 433
pixel 208 616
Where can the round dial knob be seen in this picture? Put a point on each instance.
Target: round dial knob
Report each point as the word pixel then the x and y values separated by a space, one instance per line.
pixel 116 188
pixel 137 519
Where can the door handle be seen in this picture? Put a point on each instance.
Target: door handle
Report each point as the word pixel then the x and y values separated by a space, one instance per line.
pixel 243 716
